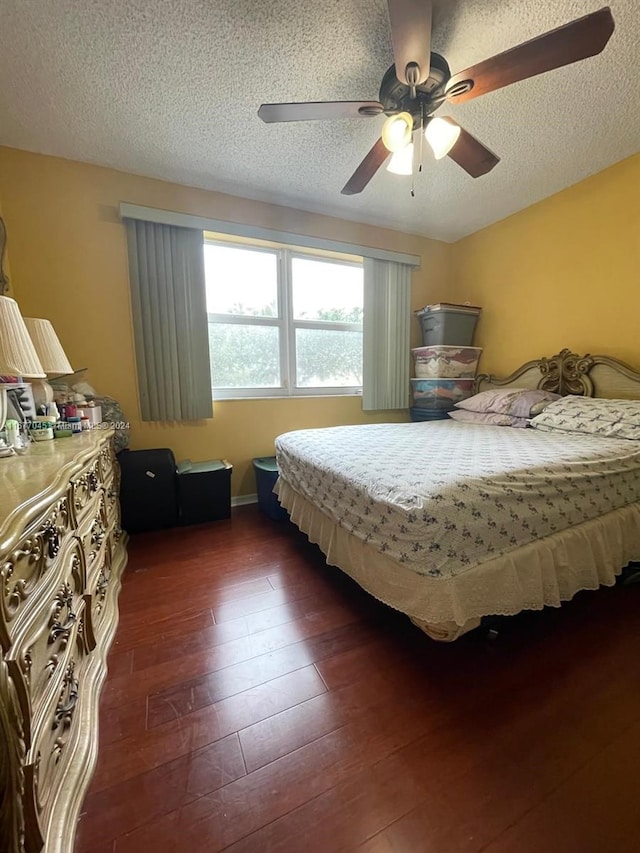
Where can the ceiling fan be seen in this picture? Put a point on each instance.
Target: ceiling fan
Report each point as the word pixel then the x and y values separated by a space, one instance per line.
pixel 420 82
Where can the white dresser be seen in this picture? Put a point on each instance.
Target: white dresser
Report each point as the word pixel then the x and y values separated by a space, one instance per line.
pixel 62 554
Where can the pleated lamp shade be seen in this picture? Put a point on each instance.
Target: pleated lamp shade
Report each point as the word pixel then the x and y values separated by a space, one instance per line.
pixel 18 356
pixel 48 347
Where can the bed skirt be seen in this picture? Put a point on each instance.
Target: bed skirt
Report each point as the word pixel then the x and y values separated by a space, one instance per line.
pixel 542 573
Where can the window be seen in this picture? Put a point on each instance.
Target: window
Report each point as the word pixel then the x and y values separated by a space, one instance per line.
pixel 282 322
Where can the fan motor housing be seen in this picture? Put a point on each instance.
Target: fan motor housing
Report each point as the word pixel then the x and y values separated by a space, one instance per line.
pixel 395 96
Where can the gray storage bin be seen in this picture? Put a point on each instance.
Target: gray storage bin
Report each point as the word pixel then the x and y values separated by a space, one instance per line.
pixel 449 327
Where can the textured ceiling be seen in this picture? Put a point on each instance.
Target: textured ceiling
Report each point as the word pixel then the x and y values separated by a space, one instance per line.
pixel 171 89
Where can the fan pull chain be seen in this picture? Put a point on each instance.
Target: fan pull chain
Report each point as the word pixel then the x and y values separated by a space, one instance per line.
pixel 413 172
pixel 413 176
pixel 421 134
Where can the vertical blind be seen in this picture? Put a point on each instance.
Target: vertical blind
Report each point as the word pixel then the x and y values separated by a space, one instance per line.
pixel 386 331
pixel 168 295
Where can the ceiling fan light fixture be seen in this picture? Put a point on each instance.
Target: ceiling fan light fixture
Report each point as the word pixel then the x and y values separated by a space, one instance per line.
pixel 396 132
pixel 441 136
pixel 401 162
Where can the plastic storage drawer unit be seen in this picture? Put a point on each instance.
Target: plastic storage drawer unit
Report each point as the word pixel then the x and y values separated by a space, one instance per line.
pixel 445 362
pixel 440 394
pixel 204 490
pixel 418 414
pixel 266 475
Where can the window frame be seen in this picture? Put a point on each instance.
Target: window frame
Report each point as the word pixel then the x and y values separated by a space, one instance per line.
pixel 286 325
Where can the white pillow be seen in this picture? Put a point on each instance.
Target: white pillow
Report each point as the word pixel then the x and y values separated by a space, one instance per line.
pixel 488 418
pixel 593 416
pixel 518 402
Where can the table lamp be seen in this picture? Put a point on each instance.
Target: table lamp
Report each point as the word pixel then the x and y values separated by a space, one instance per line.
pixel 51 355
pixel 18 356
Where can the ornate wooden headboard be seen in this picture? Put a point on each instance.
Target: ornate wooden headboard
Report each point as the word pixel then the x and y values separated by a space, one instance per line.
pixel 569 373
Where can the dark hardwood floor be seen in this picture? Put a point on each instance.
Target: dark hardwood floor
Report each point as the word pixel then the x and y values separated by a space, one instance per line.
pixel 258 700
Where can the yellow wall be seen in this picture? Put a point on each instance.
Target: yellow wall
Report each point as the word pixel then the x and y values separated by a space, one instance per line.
pixel 5 261
pixel 69 264
pixel 562 273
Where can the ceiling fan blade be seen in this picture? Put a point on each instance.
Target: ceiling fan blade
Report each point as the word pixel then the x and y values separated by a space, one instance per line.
pixel 367 169
pixel 578 40
pixel 319 110
pixel 411 37
pixel 471 154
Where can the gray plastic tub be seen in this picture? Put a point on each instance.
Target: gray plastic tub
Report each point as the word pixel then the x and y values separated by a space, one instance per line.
pixel 448 327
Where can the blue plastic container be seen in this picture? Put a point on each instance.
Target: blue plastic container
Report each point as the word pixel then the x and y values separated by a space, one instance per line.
pixel 266 471
pixel 418 414
pixel 440 393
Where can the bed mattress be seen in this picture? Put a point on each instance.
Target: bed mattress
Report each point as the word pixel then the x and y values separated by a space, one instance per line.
pixel 443 498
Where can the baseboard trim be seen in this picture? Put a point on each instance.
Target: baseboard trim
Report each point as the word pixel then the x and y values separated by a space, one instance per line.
pixel 244 500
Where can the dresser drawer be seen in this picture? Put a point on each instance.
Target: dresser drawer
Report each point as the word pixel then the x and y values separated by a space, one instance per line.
pixel 92 533
pixel 41 646
pixel 32 564
pixel 103 579
pixel 108 463
pixel 11 765
pixel 113 505
pixel 54 732
pixel 84 487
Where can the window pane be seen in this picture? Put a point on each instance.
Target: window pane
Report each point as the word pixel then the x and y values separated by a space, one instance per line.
pixel 327 291
pixel 328 359
pixel 241 281
pixel 244 356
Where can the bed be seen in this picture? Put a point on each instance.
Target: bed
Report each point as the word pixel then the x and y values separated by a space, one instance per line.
pixel 451 522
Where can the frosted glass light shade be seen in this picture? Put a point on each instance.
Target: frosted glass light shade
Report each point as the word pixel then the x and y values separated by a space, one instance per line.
pixel 18 356
pixel 402 161
pixel 396 131
pixel 48 347
pixel 441 136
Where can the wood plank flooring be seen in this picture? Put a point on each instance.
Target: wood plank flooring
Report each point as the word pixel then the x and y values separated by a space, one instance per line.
pixel 258 700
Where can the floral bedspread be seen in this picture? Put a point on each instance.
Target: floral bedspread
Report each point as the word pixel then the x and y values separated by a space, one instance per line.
pixel 443 497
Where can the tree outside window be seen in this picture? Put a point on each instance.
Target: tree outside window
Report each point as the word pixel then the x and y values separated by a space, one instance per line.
pixel 282 322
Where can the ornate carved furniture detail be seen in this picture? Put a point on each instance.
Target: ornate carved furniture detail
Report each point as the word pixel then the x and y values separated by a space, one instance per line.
pixel 569 373
pixel 62 554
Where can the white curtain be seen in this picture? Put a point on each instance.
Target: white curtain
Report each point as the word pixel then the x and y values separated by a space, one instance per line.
pixel 386 331
pixel 168 297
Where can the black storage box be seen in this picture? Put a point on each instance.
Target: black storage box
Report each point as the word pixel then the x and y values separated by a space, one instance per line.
pixel 148 489
pixel 266 471
pixel 204 490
